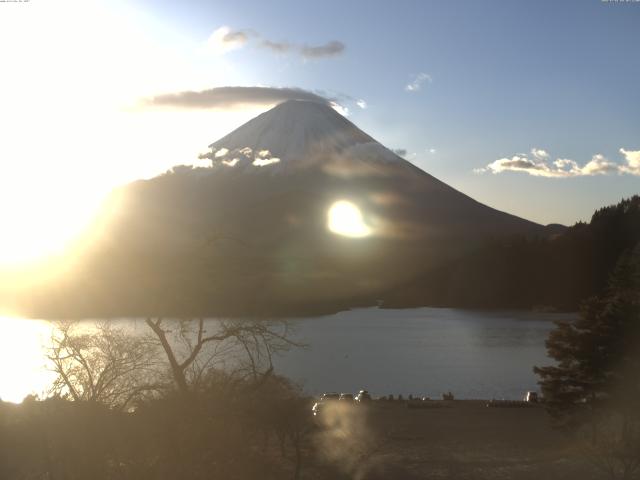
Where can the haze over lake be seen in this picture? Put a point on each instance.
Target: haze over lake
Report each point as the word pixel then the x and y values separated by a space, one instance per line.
pixel 424 351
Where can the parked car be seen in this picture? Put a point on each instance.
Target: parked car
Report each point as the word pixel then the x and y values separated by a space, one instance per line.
pixel 323 400
pixel 346 397
pixel 363 397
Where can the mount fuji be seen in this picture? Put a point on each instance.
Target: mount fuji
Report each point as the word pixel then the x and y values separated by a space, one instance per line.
pixel 255 233
pixel 311 146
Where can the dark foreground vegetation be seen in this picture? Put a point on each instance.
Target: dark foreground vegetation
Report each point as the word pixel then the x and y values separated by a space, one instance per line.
pixel 264 432
pixel 593 390
pixel 235 431
pixel 186 400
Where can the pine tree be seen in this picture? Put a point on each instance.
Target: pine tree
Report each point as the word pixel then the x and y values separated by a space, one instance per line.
pixel 597 354
pixel 594 388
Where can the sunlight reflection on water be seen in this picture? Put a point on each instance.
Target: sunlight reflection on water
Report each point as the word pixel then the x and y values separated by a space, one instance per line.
pixel 23 364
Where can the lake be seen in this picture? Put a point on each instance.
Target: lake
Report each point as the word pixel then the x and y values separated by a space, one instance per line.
pixel 424 351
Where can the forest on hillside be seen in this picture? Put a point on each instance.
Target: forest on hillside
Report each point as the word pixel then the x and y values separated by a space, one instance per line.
pixel 555 273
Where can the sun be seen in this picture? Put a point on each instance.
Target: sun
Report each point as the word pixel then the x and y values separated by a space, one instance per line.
pixel 345 218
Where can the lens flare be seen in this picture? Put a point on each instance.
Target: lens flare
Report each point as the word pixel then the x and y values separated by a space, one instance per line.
pixel 345 218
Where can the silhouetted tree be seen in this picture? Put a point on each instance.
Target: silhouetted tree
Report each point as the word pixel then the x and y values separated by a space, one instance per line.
pixel 103 364
pixel 595 383
pixel 86 430
pixel 193 347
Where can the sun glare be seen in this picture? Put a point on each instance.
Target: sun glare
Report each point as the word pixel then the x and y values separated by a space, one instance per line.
pixel 23 340
pixel 345 218
pixel 39 223
pixel 69 140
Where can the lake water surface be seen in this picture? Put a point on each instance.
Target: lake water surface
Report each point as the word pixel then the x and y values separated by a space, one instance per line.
pixel 423 351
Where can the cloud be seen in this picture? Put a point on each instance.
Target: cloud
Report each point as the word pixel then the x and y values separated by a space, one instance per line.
pixel 225 98
pixel 404 153
pixel 401 152
pixel 632 157
pixel 237 37
pixel 341 109
pixel 599 165
pixel 330 49
pixel 362 104
pixel 417 82
pixel 538 164
pixel 539 154
pixel 229 98
pixel 224 40
pixel 277 47
pixel 380 161
pixel 240 157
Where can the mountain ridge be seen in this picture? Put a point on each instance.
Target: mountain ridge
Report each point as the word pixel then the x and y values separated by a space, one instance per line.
pixel 292 131
pixel 218 241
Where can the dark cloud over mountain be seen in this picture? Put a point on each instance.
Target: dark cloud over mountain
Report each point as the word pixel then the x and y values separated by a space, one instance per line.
pixel 230 97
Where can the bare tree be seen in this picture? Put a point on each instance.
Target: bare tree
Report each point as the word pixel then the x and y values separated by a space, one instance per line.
pixel 103 363
pixel 244 346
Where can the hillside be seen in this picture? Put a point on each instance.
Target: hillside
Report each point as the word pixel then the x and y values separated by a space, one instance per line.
pixel 556 272
pixel 250 236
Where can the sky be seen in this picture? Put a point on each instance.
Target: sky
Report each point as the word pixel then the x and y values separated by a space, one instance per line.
pixel 529 107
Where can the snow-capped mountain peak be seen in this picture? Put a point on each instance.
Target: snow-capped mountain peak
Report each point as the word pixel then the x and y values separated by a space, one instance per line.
pixel 296 131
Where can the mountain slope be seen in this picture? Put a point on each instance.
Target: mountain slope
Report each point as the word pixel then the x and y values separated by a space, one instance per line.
pixel 251 236
pixel 294 131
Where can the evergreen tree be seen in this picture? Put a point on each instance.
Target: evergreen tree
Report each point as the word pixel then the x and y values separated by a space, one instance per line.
pixel 598 354
pixel 594 388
